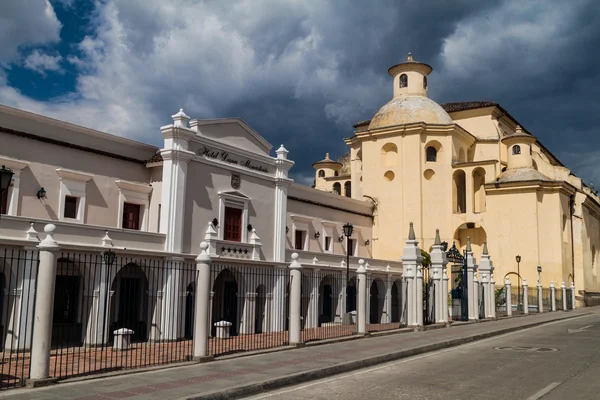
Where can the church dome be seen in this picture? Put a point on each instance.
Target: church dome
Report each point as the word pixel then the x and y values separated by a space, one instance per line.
pixel 409 109
pixel 410 103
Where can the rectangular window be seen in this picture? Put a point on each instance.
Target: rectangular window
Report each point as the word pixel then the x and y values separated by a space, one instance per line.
pixel 4 202
pixel 70 207
pixel 299 240
pixel 328 243
pixel 233 224
pixel 351 243
pixel 131 216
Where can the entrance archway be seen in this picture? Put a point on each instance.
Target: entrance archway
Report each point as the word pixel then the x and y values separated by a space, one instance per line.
pixel 327 300
pixel 130 308
pixel 374 304
pixel 190 303
pixel 225 301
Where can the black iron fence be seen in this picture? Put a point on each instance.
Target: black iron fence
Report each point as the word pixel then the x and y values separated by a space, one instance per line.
pixel 249 308
pixel 500 295
pixel 18 276
pixel 384 310
pixel 481 300
pixel 532 299
pixel 570 305
pixel 120 313
pixel 516 296
pixel 558 298
pixel 547 299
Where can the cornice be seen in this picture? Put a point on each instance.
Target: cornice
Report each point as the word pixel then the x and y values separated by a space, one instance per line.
pixel 473 163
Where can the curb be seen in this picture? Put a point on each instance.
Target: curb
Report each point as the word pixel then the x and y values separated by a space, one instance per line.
pixel 306 376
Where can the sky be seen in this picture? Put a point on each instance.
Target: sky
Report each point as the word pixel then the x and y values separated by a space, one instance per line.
pixel 302 72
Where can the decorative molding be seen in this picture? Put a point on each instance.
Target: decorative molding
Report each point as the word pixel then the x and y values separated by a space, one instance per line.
pixel 73 175
pixel 134 186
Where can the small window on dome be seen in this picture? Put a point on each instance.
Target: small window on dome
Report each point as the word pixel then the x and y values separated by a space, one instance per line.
pixel 337 188
pixel 336 173
pixel 431 154
pixel 516 150
pixel 321 173
pixel 403 80
pixel 424 82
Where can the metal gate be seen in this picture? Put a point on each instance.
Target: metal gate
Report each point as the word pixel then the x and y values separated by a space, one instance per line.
pixel 458 282
pixel 428 297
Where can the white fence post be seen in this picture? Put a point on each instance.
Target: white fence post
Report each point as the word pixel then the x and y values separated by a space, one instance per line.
pixel 552 296
pixel 564 296
pixel 508 297
pixel 471 268
pixel 525 297
pixel 438 265
pixel 485 274
pixel 411 263
pixel 540 298
pixel 573 295
pixel 295 300
pixel 44 305
pixel 361 275
pixel 201 322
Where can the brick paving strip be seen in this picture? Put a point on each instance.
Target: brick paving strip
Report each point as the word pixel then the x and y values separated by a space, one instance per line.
pixel 237 377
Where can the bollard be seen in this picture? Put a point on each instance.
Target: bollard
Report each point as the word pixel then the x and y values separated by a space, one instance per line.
pixel 508 297
pixel 122 339
pixel 525 297
pixel 552 296
pixel 223 329
pixel 540 298
pixel 573 295
pixel 564 296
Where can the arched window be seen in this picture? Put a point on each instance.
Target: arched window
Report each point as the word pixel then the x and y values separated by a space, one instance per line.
pixel 431 154
pixel 478 190
pixel 337 188
pixel 389 155
pixel 424 82
pixel 336 173
pixel 321 173
pixel 459 192
pixel 348 189
pixel 516 149
pixel 403 80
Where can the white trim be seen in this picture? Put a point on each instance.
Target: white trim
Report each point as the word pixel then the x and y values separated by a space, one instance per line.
pixel 134 193
pixel 301 225
pixel 230 200
pixel 301 218
pixel 200 122
pixel 73 184
pixel 13 191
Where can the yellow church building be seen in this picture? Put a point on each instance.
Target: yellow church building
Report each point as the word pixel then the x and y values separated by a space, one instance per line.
pixel 468 169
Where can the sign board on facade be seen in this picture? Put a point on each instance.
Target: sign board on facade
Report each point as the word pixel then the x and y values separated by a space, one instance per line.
pixel 231 159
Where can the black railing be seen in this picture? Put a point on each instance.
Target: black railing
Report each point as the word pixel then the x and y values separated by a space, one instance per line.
pixel 532 299
pixel 18 275
pixel 547 299
pixel 383 312
pixel 558 298
pixel 147 299
pixel 516 300
pixel 249 308
pixel 500 294
pixel 570 299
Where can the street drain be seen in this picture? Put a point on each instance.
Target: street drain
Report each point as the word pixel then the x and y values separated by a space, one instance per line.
pixel 528 349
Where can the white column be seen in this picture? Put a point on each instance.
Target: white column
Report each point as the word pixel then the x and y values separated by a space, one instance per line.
pixel 445 295
pixel 279 312
pixel 485 276
pixel 492 293
pixel 44 301
pixel 361 297
pixel 171 296
pixel 295 299
pixel 476 297
pixel 268 312
pixel 176 157
pixel 573 295
pixel 552 296
pixel 564 295
pixel 411 262
pixel 438 272
pixel 313 305
pixel 201 323
pixel 248 313
pixel 282 182
pixel 508 297
pixel 471 267
pixel 23 297
pixel 540 298
pixel 388 300
pixel 525 297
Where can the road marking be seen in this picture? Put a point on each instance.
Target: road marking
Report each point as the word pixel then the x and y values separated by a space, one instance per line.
pixel 579 329
pixel 544 391
pixel 403 361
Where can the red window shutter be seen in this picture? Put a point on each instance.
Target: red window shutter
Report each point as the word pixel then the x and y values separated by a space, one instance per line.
pixel 131 216
pixel 233 224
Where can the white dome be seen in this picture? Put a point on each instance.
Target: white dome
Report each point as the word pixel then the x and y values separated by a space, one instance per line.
pixel 410 109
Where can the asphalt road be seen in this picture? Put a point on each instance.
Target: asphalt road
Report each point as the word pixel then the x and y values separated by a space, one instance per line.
pixel 557 361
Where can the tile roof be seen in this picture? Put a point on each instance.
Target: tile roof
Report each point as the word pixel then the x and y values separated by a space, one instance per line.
pixel 468 105
pixel 155 158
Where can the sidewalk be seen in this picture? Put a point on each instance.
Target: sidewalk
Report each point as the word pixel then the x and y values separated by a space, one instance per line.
pixel 244 376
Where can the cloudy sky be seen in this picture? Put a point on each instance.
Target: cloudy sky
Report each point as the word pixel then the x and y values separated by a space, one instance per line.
pixel 302 72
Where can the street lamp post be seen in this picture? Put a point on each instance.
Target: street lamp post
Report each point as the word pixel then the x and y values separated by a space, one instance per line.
pixel 518 258
pixel 539 271
pixel 348 230
pixel 6 176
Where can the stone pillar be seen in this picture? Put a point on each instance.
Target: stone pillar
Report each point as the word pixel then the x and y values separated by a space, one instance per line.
pixel 445 295
pixel 279 310
pixel 492 293
pixel 313 305
pixel 525 297
pixel 361 297
pixel 176 157
pixel 248 313
pixel 411 262
pixel 573 295
pixel 201 322
pixel 552 296
pixel 437 269
pixel 564 295
pixel 485 277
pixel 101 306
pixel 282 182
pixel 269 312
pixel 44 302
pixel 476 297
pixel 295 300
pixel 540 298
pixel 508 297
pixel 388 300
pixel 368 295
pixel 170 304
pixel 471 268
pixel 24 298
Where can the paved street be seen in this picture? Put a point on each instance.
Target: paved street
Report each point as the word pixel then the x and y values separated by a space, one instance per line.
pixel 543 362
